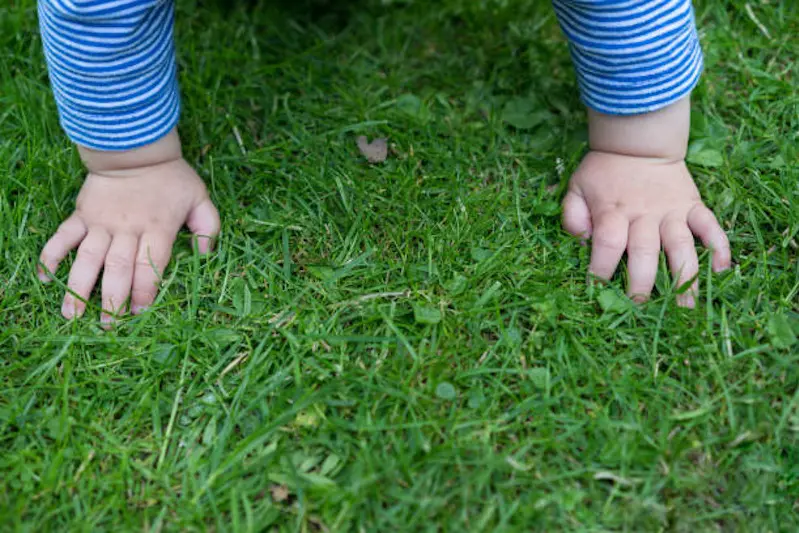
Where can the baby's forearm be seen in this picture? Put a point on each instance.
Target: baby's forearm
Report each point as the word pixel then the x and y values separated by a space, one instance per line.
pixel 164 150
pixel 636 64
pixel 661 134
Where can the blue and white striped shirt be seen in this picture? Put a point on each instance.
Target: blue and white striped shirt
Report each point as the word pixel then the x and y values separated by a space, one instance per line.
pixel 113 71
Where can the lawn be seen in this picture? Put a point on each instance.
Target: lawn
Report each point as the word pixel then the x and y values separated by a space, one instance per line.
pixel 409 345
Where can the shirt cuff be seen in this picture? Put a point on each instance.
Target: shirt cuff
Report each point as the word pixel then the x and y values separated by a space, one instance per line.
pixel 632 56
pixel 112 69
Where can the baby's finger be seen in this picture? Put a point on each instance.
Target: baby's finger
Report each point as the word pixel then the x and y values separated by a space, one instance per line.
pixel 608 244
pixel 151 260
pixel 678 242
pixel 68 235
pixel 703 224
pixel 643 252
pixel 118 275
pixel 85 269
pixel 576 216
pixel 203 221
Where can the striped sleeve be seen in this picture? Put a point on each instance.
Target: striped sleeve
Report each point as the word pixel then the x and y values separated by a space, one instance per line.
pixel 112 69
pixel 632 56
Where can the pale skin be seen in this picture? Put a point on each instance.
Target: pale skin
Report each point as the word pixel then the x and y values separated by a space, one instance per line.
pixel 127 216
pixel 632 193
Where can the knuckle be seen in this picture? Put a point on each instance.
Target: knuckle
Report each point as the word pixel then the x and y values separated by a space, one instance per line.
pixel 115 261
pixel 682 241
pixel 643 250
pixel 95 255
pixel 77 291
pixel 684 271
pixel 59 236
pixel 611 241
pixel 143 295
pixel 147 264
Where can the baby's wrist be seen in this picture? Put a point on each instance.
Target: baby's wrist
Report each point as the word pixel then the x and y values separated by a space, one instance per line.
pixel 164 150
pixel 661 134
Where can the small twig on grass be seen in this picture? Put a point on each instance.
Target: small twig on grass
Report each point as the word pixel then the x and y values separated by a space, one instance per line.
pixel 374 296
pixel 83 466
pixel 237 135
pixel 753 17
pixel 232 365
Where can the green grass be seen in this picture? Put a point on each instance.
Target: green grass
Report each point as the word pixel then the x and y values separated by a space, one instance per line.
pixel 408 346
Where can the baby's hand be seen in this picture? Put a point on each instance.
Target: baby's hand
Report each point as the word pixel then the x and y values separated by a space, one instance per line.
pixel 633 192
pixel 638 204
pixel 125 223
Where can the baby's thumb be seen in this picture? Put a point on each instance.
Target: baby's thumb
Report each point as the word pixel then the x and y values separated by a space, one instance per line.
pixel 576 216
pixel 203 221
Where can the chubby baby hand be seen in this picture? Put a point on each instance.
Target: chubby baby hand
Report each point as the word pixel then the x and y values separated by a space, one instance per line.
pixel 125 224
pixel 638 205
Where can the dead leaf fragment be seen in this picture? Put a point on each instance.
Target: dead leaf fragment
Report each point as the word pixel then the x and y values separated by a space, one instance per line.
pixel 280 493
pixel 610 476
pixel 375 151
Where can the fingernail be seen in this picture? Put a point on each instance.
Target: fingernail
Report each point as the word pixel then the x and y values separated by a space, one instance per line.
pixel 686 300
pixel 137 309
pixel 43 277
pixel 106 320
pixel 203 245
pixel 68 309
pixel 596 281
pixel 720 268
